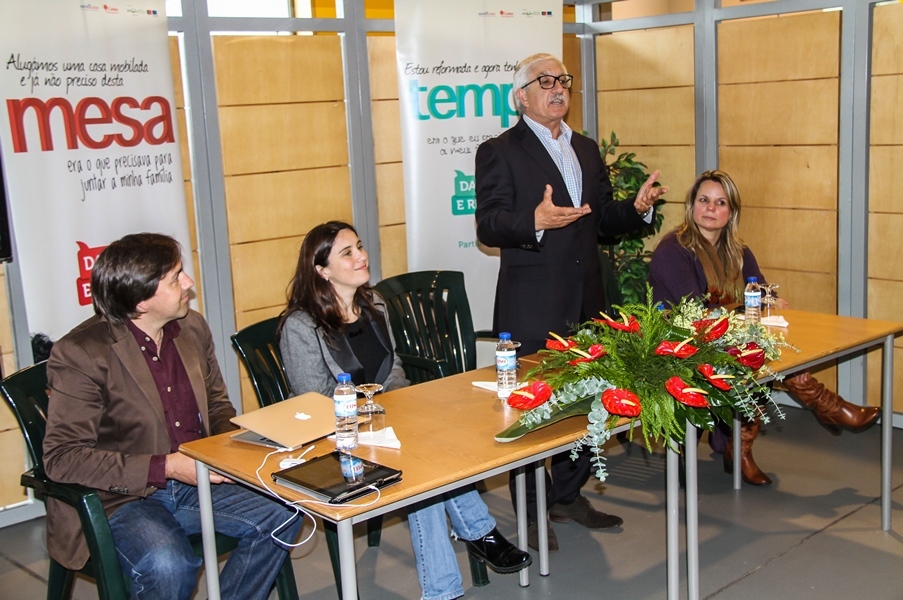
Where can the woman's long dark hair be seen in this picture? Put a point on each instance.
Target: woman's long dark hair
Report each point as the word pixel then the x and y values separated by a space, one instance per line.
pixel 310 292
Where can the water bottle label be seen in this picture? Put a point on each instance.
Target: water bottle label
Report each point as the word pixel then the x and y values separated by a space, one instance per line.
pixel 753 299
pixel 352 468
pixel 506 361
pixel 345 405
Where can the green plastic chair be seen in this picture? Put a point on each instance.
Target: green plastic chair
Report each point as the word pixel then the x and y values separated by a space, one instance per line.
pixel 26 394
pixel 431 318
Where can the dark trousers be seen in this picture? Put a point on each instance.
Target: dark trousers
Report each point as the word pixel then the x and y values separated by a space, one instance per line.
pixel 563 486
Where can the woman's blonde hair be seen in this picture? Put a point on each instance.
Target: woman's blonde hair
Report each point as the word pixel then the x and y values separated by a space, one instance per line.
pixel 728 250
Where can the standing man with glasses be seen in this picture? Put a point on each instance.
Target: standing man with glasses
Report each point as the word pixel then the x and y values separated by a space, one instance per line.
pixel 544 198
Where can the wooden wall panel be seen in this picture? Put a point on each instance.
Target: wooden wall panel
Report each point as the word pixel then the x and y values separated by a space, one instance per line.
pixel 261 272
pixel 631 9
pixel 884 299
pixel 779 49
pixel 653 117
pixel 803 240
pixel 805 290
pixel 886 116
pixel 886 179
pixel 677 164
pixel 885 250
pixel 281 137
pixel 797 176
pixel 386 131
pixel 633 59
pixel 278 69
pixel 390 193
pixel 887 40
pixel 175 63
pixel 12 466
pixel 274 205
pixel 393 250
pixel 784 113
pixel 383 69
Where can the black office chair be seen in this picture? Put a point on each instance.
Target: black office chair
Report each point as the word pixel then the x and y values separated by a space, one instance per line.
pixel 26 394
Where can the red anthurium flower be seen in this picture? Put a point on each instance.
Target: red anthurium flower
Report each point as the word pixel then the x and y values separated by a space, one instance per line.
pixel 530 396
pixel 630 325
pixel 684 394
pixel 592 353
pixel 559 343
pixel 711 329
pixel 620 402
pixel 708 371
pixel 750 355
pixel 679 349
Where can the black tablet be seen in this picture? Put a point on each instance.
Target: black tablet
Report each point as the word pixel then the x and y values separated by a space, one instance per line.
pixel 337 478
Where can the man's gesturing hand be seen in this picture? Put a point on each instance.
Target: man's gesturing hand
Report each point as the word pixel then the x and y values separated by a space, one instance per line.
pixel 550 216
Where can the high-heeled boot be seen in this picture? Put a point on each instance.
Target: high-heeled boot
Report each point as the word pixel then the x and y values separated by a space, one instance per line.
pixel 750 471
pixel 831 410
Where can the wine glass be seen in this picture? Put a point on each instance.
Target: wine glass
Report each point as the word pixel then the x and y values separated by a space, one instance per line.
pixel 769 300
pixel 371 416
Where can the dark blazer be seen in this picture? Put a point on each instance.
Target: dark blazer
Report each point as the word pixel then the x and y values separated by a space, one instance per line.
pixel 106 418
pixel 547 285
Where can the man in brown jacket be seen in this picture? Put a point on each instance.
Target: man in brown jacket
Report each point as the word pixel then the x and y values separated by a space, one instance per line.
pixel 127 387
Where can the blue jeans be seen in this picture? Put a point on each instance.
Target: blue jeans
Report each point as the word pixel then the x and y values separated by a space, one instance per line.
pixel 437 568
pixel 151 537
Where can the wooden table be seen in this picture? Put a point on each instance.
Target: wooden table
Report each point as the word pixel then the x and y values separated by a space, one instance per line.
pixel 447 430
pixel 819 339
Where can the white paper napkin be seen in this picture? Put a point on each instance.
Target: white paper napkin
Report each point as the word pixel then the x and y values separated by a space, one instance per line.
pixel 492 386
pixel 385 438
pixel 772 321
pixel 775 321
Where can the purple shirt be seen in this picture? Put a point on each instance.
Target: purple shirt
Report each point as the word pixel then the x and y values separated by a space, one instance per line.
pixel 183 422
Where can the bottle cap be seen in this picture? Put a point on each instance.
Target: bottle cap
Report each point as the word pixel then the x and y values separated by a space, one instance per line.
pixel 752 280
pixel 344 378
pixel 504 335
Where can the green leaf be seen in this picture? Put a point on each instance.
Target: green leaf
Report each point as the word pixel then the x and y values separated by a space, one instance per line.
pixel 519 430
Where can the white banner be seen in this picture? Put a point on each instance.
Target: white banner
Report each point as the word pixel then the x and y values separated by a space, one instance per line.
pixel 456 63
pixel 89 139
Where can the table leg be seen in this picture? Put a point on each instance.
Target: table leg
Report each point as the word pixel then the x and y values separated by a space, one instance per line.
pixel 692 515
pixel 887 415
pixel 346 560
pixel 736 433
pixel 208 533
pixel 520 492
pixel 673 523
pixel 542 519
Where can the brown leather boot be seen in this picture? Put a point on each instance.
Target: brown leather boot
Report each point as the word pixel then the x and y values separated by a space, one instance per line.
pixel 750 471
pixel 831 410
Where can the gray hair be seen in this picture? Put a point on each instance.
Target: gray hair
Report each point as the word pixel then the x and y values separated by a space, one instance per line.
pixel 523 73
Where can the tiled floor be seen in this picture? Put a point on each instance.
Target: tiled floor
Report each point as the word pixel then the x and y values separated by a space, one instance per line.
pixel 814 533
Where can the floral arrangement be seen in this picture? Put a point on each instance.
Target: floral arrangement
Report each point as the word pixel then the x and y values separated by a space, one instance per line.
pixel 664 367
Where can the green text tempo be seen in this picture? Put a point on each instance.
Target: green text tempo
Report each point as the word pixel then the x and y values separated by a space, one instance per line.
pixel 447 102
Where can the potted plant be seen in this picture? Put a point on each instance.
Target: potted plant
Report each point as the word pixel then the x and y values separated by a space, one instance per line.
pixel 627 254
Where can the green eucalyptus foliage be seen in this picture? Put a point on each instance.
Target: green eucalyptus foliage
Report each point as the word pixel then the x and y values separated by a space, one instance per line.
pixel 628 254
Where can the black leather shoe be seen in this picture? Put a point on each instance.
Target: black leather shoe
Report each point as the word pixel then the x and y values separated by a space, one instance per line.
pixel 499 554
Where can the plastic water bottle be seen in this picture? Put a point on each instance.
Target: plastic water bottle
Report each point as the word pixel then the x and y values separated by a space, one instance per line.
pixel 752 296
pixel 505 366
pixel 345 403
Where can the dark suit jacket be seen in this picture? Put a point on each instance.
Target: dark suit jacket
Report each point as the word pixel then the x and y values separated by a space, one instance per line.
pixel 547 285
pixel 106 418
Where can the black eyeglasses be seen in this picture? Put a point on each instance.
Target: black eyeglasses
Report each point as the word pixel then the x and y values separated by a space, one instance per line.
pixel 547 82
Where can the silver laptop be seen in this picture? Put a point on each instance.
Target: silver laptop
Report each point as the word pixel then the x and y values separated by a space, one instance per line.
pixel 288 424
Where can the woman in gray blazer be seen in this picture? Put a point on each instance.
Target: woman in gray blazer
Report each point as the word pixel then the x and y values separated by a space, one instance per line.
pixel 335 323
